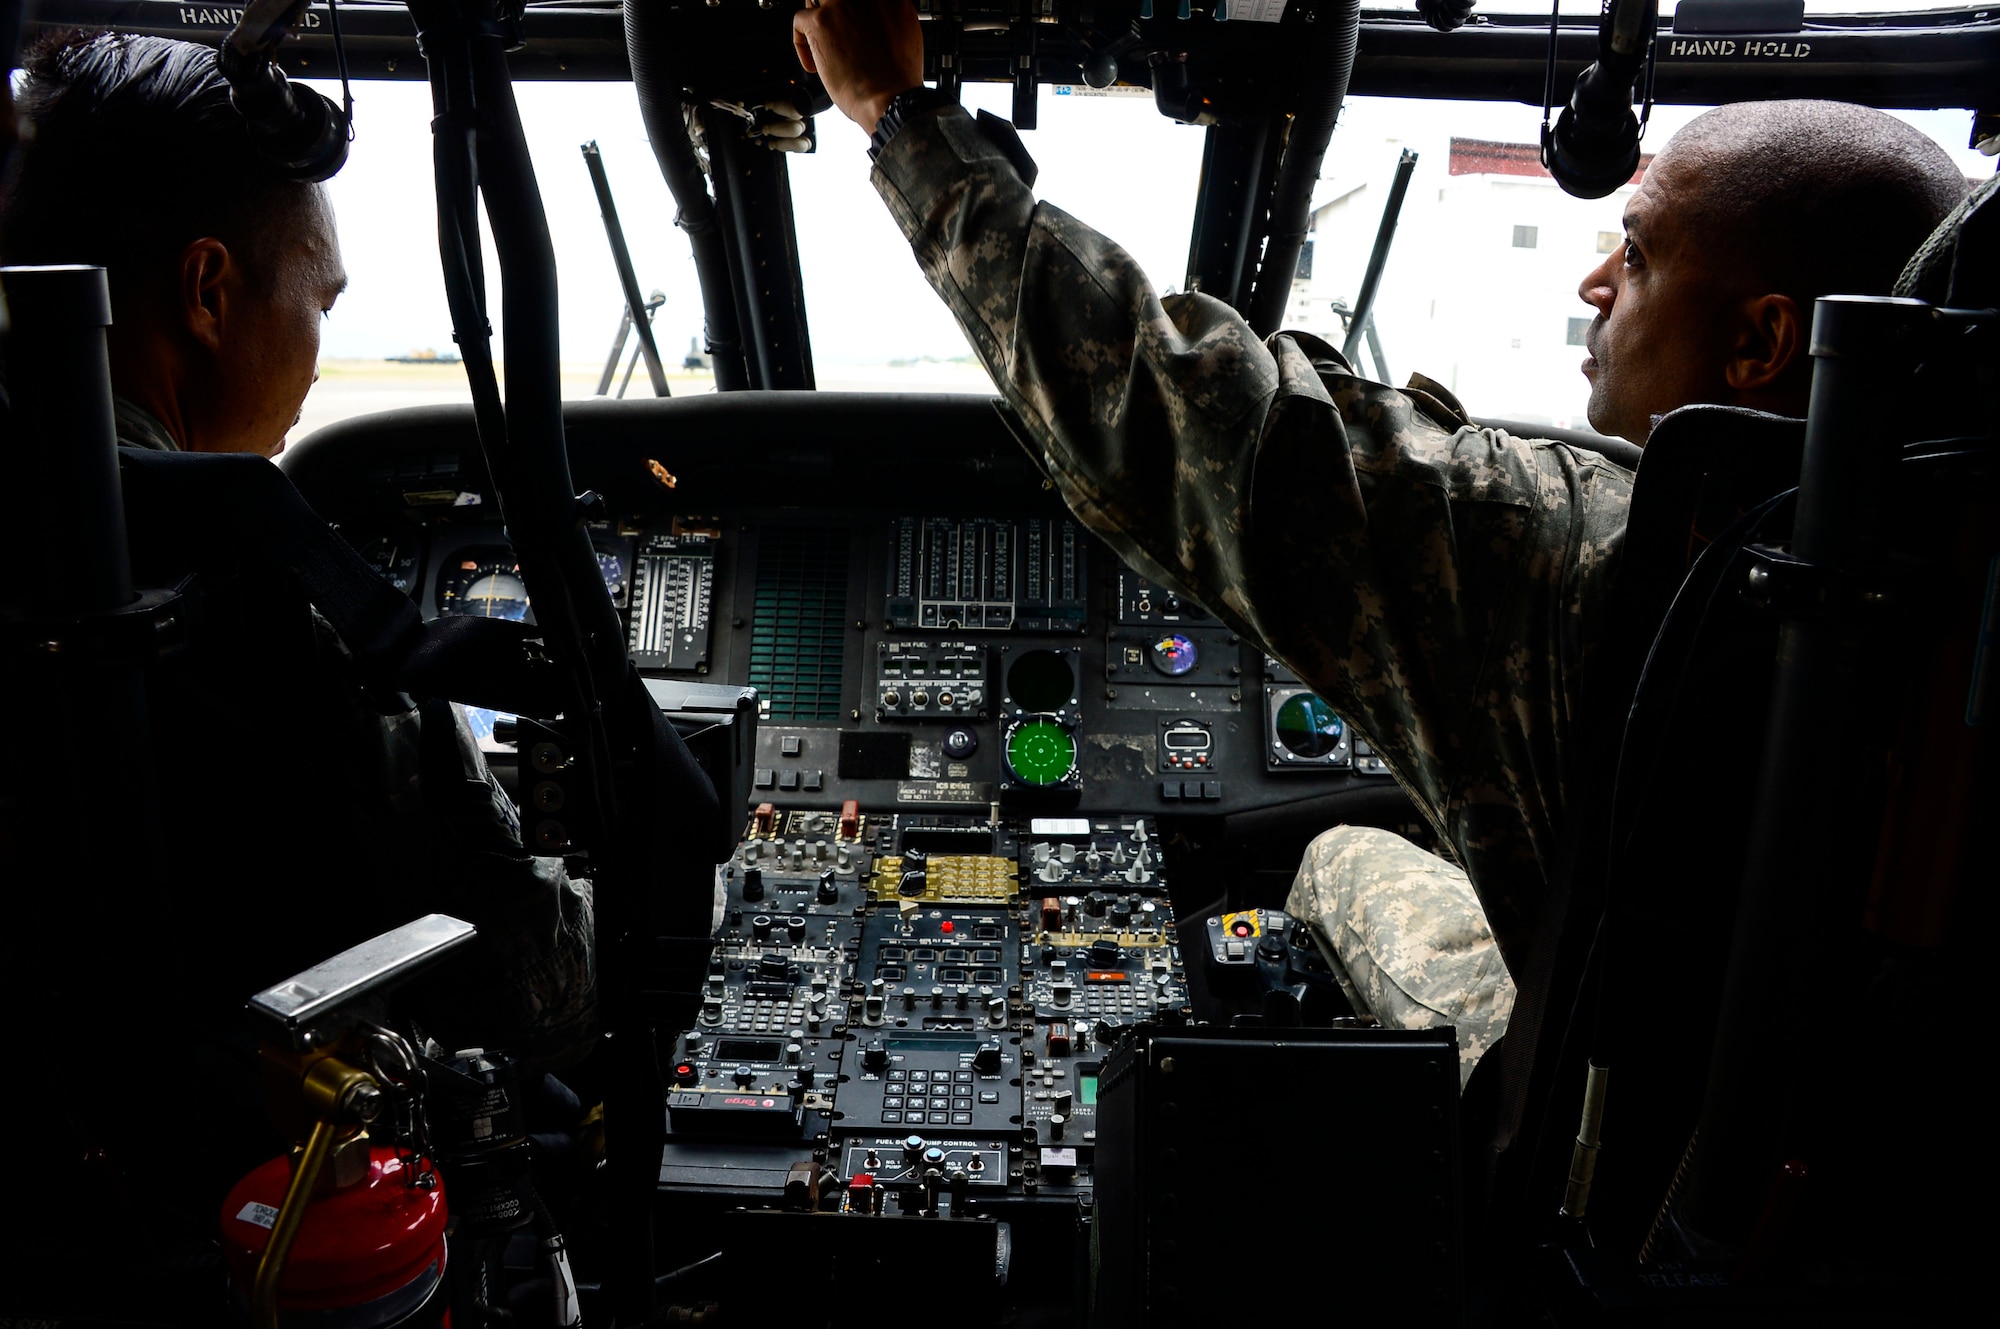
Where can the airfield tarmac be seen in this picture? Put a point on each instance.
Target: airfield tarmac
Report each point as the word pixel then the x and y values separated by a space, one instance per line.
pixel 349 388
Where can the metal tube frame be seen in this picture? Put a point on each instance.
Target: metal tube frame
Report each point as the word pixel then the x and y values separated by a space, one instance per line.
pixel 628 279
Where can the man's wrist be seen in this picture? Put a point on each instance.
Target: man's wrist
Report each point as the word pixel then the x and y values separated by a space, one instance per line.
pixel 901 108
pixel 873 110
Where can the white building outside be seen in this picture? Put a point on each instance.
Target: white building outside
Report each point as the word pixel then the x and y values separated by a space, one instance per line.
pixel 1480 292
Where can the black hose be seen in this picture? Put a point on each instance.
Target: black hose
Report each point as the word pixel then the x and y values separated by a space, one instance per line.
pixel 1328 64
pixel 544 509
pixel 458 233
pixel 646 42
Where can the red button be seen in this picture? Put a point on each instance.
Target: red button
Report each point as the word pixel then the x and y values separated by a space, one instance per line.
pixel 946 926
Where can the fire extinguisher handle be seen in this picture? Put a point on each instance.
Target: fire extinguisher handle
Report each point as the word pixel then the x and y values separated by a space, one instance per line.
pixel 264 1293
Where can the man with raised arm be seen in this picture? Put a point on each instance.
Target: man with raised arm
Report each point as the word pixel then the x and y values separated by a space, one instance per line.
pixel 1442 585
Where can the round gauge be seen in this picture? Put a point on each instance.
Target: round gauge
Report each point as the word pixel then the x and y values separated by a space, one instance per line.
pixel 1307 726
pixel 394 561
pixel 485 583
pixel 1173 654
pixel 1040 680
pixel 1040 752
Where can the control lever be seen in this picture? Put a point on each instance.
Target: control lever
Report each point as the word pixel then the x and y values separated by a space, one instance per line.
pixel 1269 955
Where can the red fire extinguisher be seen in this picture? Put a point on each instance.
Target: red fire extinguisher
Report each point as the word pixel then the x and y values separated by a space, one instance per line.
pixel 371 1252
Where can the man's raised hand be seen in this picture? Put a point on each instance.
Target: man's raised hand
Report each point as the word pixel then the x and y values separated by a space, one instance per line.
pixel 865 51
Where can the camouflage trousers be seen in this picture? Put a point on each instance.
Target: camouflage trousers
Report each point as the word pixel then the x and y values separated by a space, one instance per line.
pixel 1405 936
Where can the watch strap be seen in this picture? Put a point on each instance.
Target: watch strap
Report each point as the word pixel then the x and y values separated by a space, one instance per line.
pixel 904 107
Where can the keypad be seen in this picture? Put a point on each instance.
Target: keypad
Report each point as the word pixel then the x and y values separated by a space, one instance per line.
pixel 932 1096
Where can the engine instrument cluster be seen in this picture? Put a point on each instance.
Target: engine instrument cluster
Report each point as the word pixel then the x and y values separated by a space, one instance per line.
pixel 911 662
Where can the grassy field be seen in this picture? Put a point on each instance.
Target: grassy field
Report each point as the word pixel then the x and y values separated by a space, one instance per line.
pixel 349 388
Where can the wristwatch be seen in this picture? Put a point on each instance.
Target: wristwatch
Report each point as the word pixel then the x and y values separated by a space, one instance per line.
pixel 902 107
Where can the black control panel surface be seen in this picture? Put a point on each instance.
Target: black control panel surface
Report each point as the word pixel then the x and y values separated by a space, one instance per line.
pixel 913 1000
pixel 989 762
pixel 914 660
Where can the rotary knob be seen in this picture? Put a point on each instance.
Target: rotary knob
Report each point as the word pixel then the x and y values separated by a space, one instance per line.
pixel 874 1056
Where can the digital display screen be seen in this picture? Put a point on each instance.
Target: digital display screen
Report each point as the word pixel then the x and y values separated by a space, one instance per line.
pixel 748 1049
pixel 1086 1090
pixel 921 1044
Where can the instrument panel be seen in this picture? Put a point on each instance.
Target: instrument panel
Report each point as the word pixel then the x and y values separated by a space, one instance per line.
pixel 913 1007
pixel 989 822
pixel 913 661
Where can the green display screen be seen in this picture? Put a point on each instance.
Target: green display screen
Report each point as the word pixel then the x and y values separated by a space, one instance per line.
pixel 1041 752
pixel 1086 1090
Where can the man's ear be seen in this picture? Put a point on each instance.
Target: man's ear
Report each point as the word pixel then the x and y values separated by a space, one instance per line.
pixel 208 283
pixel 1770 340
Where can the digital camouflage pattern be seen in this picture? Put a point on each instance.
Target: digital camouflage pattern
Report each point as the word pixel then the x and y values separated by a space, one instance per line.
pixel 1405 937
pixel 531 985
pixel 1440 584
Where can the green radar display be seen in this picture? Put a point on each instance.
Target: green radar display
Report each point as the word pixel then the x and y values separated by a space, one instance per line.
pixel 1040 752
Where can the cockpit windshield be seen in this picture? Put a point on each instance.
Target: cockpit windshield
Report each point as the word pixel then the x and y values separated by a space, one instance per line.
pixel 1477 292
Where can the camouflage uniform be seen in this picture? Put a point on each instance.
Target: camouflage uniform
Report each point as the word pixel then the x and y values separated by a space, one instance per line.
pixel 1442 585
pixel 532 986
pixel 1405 937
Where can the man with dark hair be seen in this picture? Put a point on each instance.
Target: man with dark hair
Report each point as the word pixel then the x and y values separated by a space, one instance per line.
pixel 1443 585
pixel 220 271
pixel 303 810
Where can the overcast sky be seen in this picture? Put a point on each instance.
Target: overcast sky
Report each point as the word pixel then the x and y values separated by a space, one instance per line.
pixel 1114 162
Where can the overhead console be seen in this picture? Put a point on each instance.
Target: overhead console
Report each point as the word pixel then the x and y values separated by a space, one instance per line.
pixel 1939 57
pixel 939 638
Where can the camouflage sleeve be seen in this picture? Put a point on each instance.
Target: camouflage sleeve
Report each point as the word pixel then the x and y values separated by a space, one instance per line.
pixel 1433 580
